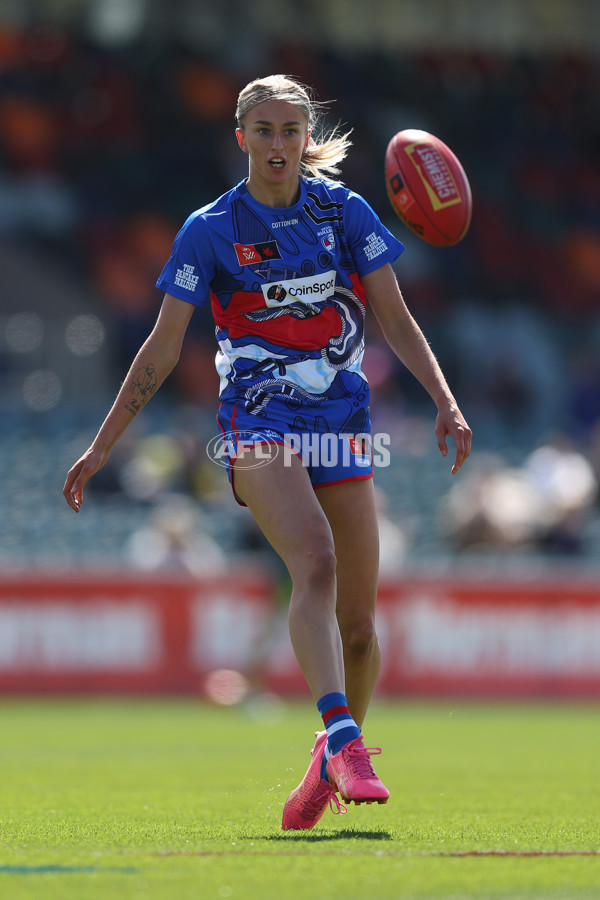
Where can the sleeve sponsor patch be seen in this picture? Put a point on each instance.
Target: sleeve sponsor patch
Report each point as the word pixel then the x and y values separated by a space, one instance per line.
pixel 375 246
pixel 186 278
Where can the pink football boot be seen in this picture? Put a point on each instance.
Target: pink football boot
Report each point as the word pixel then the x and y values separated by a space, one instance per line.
pixel 351 772
pixel 307 803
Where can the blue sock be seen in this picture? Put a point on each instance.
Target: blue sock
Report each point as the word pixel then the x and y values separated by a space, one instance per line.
pixel 341 727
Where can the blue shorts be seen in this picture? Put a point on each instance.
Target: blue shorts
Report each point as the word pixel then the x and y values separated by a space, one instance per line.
pixel 328 458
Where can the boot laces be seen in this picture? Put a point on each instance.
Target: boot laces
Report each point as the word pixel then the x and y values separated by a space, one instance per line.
pixel 360 759
pixel 313 806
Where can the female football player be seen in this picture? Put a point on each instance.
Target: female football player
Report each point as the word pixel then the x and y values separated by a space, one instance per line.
pixel 291 262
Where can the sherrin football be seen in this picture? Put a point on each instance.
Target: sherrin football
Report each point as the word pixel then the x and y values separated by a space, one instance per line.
pixel 428 187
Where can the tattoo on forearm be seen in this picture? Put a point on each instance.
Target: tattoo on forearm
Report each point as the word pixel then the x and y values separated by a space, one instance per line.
pixel 143 386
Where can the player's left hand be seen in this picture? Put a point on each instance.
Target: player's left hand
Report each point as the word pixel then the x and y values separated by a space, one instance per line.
pixel 450 421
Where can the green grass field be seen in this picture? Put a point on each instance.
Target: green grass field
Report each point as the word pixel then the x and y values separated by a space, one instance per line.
pixel 176 799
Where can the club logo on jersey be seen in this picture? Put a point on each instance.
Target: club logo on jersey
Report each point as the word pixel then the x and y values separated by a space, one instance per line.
pixel 248 254
pixel 327 238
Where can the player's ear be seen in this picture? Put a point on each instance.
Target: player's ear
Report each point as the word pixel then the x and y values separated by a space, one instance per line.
pixel 306 142
pixel 241 140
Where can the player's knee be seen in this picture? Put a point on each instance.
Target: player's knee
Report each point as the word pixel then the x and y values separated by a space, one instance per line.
pixel 360 638
pixel 319 567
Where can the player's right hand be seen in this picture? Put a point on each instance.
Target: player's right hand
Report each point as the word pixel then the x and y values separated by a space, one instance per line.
pixel 84 468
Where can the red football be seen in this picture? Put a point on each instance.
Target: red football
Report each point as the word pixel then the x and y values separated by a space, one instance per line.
pixel 428 187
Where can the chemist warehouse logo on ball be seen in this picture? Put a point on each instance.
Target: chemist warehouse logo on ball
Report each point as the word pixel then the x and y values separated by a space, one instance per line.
pixel 259 448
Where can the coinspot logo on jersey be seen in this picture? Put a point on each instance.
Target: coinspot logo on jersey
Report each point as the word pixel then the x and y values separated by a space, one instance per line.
pixel 260 448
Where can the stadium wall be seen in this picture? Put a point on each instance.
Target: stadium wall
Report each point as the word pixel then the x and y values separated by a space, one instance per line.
pixel 122 634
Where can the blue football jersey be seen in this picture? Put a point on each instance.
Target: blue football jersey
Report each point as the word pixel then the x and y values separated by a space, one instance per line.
pixel 287 300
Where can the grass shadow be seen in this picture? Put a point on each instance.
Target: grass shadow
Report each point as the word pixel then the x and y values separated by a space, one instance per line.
pixel 343 834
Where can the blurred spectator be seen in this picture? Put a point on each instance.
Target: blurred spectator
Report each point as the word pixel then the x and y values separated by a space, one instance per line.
pixel 541 506
pixel 176 541
pixel 566 481
pixel 493 507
